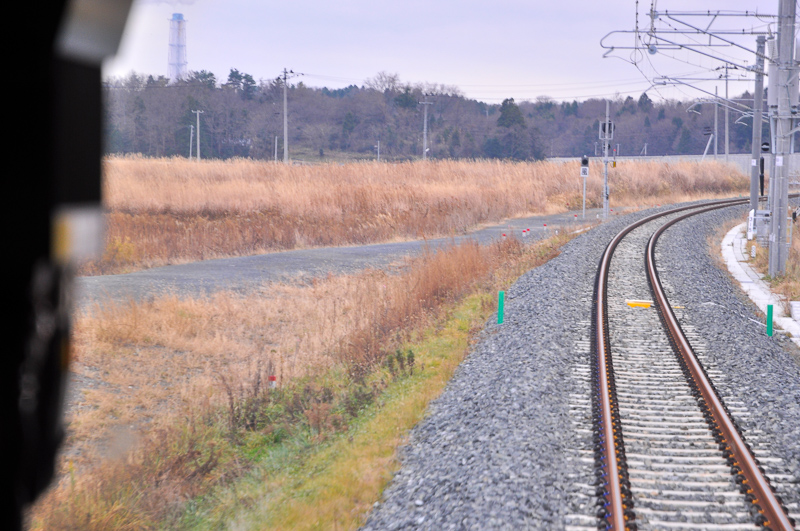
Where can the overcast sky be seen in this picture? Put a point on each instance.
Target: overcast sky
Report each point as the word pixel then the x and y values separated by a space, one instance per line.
pixel 491 50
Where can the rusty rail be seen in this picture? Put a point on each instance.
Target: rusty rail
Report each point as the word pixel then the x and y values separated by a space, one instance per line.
pixel 611 470
pixel 747 474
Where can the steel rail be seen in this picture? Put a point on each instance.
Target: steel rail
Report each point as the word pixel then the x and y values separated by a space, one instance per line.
pixel 751 479
pixel 609 444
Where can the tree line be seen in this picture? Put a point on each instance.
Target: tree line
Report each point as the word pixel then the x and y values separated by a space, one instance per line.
pixel 242 118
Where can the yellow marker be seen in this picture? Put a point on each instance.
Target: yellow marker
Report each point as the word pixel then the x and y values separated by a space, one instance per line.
pixel 646 304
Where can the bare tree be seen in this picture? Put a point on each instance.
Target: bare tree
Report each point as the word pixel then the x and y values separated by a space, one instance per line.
pixel 383 81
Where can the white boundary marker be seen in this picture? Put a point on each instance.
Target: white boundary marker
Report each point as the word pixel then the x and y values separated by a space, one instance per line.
pixel 734 252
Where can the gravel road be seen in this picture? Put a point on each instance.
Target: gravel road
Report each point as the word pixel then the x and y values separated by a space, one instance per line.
pixel 245 273
pixel 500 448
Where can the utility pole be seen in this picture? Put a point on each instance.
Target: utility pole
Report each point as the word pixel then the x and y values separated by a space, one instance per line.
pixel 727 114
pixel 425 127
pixel 606 134
pixel 786 96
pixel 285 122
pixel 191 139
pixel 705 151
pixel 758 106
pixel 198 113
pixel 276 148
pixel 378 147
pixel 286 75
pixel 716 122
pixel 772 105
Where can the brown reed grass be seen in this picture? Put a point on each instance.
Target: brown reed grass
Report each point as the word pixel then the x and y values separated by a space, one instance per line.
pixel 162 211
pixel 144 435
pixel 788 284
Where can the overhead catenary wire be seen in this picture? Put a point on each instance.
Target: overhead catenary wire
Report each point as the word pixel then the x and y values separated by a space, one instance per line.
pixel 664 24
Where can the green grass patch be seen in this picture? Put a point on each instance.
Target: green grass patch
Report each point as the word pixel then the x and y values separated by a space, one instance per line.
pixel 333 485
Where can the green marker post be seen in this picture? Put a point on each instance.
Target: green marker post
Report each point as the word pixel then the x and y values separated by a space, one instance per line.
pixel 501 304
pixel 769 320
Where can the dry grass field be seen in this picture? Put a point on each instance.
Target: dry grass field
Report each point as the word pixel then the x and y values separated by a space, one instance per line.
pixel 788 284
pixel 171 389
pixel 174 402
pixel 162 211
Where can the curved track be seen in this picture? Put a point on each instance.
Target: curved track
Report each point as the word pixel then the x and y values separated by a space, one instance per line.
pixel 687 463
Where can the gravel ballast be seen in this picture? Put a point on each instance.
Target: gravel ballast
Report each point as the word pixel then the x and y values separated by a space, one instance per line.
pixel 760 371
pixel 503 448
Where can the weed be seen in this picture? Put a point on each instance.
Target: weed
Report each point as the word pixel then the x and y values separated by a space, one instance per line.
pixel 357 398
pixel 120 251
pixel 787 284
pixel 163 211
pixel 202 378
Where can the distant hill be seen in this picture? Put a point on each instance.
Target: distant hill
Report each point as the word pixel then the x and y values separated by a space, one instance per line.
pixel 242 118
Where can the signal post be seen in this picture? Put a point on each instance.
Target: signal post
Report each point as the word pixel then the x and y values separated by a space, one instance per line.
pixel 606 134
pixel 584 175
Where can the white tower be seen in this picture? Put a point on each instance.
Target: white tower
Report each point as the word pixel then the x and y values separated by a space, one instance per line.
pixel 176 68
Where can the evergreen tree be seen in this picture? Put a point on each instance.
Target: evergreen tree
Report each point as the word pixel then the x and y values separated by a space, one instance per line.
pixel 406 99
pixel 249 87
pixel 234 80
pixel 510 115
pixel 645 104
pixel 685 142
pixel 202 78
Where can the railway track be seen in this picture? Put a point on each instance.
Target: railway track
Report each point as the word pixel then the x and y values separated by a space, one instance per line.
pixel 668 452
